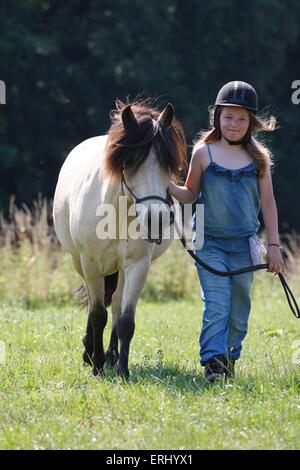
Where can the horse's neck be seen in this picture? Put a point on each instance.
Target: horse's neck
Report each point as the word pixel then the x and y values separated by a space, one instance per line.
pixel 111 191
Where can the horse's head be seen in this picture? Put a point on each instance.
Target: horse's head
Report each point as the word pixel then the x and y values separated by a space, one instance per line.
pixel 145 149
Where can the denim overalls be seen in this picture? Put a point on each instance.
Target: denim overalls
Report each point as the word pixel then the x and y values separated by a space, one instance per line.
pixel 231 207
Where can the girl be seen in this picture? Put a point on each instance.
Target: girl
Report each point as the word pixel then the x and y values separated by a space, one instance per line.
pixel 233 172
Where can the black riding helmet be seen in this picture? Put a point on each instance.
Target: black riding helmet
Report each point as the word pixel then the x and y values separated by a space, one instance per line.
pixel 241 95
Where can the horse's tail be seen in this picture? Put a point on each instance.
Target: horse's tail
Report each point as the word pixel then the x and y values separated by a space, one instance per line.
pixel 81 295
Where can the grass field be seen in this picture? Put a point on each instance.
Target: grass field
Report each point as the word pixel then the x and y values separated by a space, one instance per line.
pixel 48 400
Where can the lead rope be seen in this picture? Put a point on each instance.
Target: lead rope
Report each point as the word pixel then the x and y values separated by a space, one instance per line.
pixel 288 293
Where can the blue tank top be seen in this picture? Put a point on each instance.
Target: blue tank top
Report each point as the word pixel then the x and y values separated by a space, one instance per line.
pixel 231 201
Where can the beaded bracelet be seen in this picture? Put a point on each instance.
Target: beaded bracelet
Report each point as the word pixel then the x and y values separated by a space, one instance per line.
pixel 275 244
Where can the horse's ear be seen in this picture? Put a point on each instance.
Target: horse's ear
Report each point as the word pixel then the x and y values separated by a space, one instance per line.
pixel 166 117
pixel 128 117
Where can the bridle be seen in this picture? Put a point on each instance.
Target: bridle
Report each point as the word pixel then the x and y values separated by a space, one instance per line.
pixel 138 200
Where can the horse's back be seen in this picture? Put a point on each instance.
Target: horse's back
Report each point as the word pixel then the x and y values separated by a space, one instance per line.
pixel 81 161
pixel 81 165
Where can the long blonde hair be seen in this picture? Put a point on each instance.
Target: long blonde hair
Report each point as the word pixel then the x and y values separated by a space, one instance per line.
pixel 256 148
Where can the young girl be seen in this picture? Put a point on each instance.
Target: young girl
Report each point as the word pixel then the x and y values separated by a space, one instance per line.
pixel 233 172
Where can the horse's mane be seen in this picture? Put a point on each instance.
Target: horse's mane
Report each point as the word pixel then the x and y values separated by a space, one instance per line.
pixel 128 148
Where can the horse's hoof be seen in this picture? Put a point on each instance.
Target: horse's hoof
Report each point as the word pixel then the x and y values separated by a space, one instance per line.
pixel 97 372
pixel 111 357
pixel 123 373
pixel 87 358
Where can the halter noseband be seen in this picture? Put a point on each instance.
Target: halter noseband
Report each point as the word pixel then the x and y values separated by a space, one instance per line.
pixel 137 200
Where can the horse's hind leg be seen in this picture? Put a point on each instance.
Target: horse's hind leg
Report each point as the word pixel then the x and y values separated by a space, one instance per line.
pixel 112 354
pixel 88 342
pixel 97 314
pixel 110 282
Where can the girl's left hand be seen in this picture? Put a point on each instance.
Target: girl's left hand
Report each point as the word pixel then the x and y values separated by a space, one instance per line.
pixel 275 260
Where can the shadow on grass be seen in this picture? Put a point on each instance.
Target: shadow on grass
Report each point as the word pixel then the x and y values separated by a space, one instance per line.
pixel 171 377
pixel 180 380
pixel 174 378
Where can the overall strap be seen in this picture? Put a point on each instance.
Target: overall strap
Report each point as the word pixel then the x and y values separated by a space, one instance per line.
pixel 209 153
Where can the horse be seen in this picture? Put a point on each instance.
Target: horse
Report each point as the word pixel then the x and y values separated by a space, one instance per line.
pixel 136 158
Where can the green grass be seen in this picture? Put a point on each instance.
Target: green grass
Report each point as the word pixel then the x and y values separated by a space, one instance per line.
pixel 48 400
pixel 38 275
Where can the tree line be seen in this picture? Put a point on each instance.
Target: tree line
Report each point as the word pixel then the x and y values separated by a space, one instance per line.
pixel 65 63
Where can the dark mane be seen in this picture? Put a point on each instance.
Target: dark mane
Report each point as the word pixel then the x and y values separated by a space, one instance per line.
pixel 130 147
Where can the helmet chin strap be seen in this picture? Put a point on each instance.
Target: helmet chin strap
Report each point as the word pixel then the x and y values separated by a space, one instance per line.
pixel 238 142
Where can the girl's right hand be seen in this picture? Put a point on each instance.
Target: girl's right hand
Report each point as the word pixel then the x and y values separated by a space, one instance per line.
pixel 274 260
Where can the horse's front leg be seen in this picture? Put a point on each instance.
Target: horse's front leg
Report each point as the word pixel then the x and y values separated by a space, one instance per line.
pixel 135 277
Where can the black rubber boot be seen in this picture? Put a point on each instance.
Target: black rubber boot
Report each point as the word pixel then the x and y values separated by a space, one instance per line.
pixel 214 370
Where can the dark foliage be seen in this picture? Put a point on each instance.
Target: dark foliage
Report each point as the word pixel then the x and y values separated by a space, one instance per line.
pixel 65 63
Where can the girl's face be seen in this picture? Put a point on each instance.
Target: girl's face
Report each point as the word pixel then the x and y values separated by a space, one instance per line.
pixel 234 122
